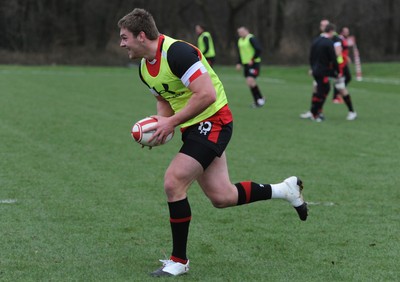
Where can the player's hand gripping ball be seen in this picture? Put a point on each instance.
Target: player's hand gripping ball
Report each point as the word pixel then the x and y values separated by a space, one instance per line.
pixel 144 137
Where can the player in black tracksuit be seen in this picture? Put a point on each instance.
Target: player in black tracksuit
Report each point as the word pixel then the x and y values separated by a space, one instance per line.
pixel 323 64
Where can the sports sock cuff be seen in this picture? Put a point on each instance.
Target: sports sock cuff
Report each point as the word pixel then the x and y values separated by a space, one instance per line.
pixel 176 259
pixel 249 192
pixel 241 193
pixel 278 191
pixel 180 211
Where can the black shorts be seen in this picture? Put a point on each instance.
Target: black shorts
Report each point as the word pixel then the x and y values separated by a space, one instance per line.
pixel 253 70
pixel 207 140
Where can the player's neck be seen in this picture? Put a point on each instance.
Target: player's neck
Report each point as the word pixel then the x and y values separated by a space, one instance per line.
pixel 154 48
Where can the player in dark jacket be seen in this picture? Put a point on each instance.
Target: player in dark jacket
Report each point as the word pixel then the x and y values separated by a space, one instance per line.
pixel 323 64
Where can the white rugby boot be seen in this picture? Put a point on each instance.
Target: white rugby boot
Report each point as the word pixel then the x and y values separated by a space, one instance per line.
pixel 290 190
pixel 351 116
pixel 171 268
pixel 306 115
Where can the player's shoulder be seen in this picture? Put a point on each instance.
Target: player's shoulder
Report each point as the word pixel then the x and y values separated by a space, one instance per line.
pixel 181 56
pixel 181 51
pixel 336 38
pixel 180 47
pixel 318 39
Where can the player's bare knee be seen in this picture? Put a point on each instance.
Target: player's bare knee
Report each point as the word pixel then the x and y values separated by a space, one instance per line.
pixel 344 92
pixel 221 203
pixel 175 186
pixel 170 184
pixel 174 192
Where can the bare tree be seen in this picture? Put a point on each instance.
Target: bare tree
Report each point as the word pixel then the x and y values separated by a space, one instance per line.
pixel 285 28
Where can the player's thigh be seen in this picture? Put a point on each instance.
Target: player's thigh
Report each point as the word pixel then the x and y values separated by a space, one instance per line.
pixel 314 86
pixel 323 86
pixel 347 74
pixel 251 81
pixel 216 184
pixel 181 172
pixel 340 83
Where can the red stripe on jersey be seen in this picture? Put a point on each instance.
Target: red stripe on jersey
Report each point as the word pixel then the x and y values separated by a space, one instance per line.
pixel 220 118
pixel 180 220
pixel 225 114
pixel 154 69
pixel 195 75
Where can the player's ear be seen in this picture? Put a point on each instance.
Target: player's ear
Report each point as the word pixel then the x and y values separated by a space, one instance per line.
pixel 141 36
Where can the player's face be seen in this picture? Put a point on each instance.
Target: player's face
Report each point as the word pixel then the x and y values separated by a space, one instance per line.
pixel 131 43
pixel 198 29
pixel 345 32
pixel 242 32
pixel 330 34
pixel 323 24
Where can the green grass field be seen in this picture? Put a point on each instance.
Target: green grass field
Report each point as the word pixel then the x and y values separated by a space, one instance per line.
pixel 81 201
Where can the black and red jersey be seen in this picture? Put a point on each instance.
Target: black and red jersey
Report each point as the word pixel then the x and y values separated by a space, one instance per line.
pixel 345 49
pixel 322 58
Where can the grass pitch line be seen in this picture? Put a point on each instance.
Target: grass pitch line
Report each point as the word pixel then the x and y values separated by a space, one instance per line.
pixel 71 73
pixel 382 80
pixel 8 201
pixel 325 204
pixel 263 79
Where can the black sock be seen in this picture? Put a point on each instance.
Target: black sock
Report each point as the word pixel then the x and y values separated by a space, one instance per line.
pixel 316 105
pixel 349 104
pixel 180 216
pixel 249 192
pixel 256 93
pixel 335 93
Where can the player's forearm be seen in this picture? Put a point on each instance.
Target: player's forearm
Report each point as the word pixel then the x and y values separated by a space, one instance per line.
pixel 164 108
pixel 196 105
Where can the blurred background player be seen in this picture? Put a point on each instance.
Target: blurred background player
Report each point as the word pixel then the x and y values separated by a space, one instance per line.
pixel 322 25
pixel 249 50
pixel 205 43
pixel 323 62
pixel 344 34
pixel 342 51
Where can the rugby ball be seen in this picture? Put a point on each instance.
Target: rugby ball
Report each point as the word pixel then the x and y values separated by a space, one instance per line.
pixel 142 137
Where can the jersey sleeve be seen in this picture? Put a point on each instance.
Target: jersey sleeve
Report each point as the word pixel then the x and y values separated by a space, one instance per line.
pixel 206 44
pixel 257 47
pixel 336 41
pixel 185 62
